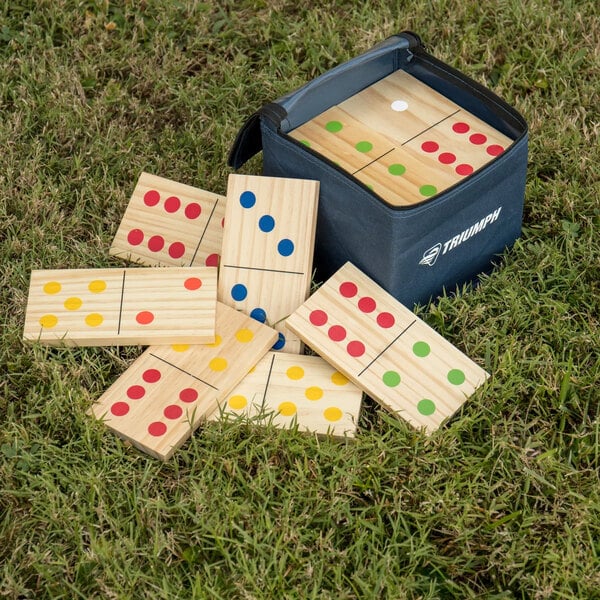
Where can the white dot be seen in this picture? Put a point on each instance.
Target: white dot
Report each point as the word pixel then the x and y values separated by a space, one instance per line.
pixel 399 105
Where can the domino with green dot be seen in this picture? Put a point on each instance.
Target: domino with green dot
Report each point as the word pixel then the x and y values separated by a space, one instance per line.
pixel 386 350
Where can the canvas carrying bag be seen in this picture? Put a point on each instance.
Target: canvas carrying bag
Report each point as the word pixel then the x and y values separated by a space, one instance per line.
pixel 416 251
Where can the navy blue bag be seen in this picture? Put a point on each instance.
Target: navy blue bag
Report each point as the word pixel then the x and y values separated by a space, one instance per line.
pixel 417 251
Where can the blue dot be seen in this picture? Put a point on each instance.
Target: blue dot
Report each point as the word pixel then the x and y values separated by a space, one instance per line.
pixel 266 223
pixel 285 247
pixel 280 343
pixel 258 314
pixel 247 199
pixel 239 292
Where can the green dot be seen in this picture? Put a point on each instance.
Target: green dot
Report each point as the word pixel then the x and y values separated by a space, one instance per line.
pixel 426 407
pixel 364 146
pixel 334 126
pixel 305 142
pixel 421 349
pixel 391 378
pixel 370 186
pixel 456 377
pixel 397 169
pixel 428 190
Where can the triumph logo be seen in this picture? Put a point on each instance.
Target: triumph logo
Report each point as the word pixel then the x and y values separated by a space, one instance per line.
pixel 431 255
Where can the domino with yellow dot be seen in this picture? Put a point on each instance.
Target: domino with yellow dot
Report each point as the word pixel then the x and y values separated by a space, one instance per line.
pixel 287 389
pixel 169 390
pixel 387 351
pixel 108 307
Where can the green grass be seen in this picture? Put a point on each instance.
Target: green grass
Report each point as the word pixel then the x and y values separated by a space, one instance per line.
pixel 503 502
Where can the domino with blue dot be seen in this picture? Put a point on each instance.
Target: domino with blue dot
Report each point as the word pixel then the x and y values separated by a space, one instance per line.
pixel 267 252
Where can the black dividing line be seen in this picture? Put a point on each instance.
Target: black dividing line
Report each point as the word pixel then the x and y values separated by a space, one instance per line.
pixel 184 371
pixel 373 161
pixel 268 379
pixel 434 125
pixel 212 212
pixel 391 343
pixel 121 303
pixel 259 269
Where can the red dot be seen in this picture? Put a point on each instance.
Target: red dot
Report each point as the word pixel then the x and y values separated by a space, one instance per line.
pixel 478 139
pixel 460 127
pixel 151 375
pixel 367 304
pixel 430 146
pixel 385 320
pixel 119 409
pixel 173 411
pixel 176 250
pixel 156 243
pixel 348 289
pixel 157 429
pixel 494 150
pixel 318 317
pixel 135 392
pixel 144 317
pixel 192 283
pixel 337 333
pixel 172 204
pixel 188 395
pixel 151 198
pixel 193 210
pixel 446 158
pixel 464 169
pixel 212 260
pixel 135 237
pixel 223 222
pixel 355 348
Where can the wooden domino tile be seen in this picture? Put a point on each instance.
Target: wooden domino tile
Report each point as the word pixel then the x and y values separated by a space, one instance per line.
pixel 386 350
pixel 401 177
pixel 399 106
pixel 268 241
pixel 288 389
pixel 170 223
pixel 343 139
pixel 459 145
pixel 169 390
pixel 104 307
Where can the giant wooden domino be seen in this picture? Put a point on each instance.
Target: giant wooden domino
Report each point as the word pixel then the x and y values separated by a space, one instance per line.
pixel 385 349
pixel 170 223
pixel 102 307
pixel 403 139
pixel 268 241
pixel 169 390
pixel 291 389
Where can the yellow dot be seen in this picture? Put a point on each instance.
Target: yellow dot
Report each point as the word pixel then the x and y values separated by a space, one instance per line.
pixel 244 335
pixel 48 321
pixel 252 369
pixel 333 413
pixel 295 373
pixel 73 303
pixel 339 379
pixel 97 286
pixel 237 402
pixel 52 287
pixel 287 409
pixel 180 347
pixel 313 393
pixel 94 319
pixel 218 364
pixel 217 342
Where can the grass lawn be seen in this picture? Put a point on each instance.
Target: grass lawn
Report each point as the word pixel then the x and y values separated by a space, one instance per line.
pixel 502 502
